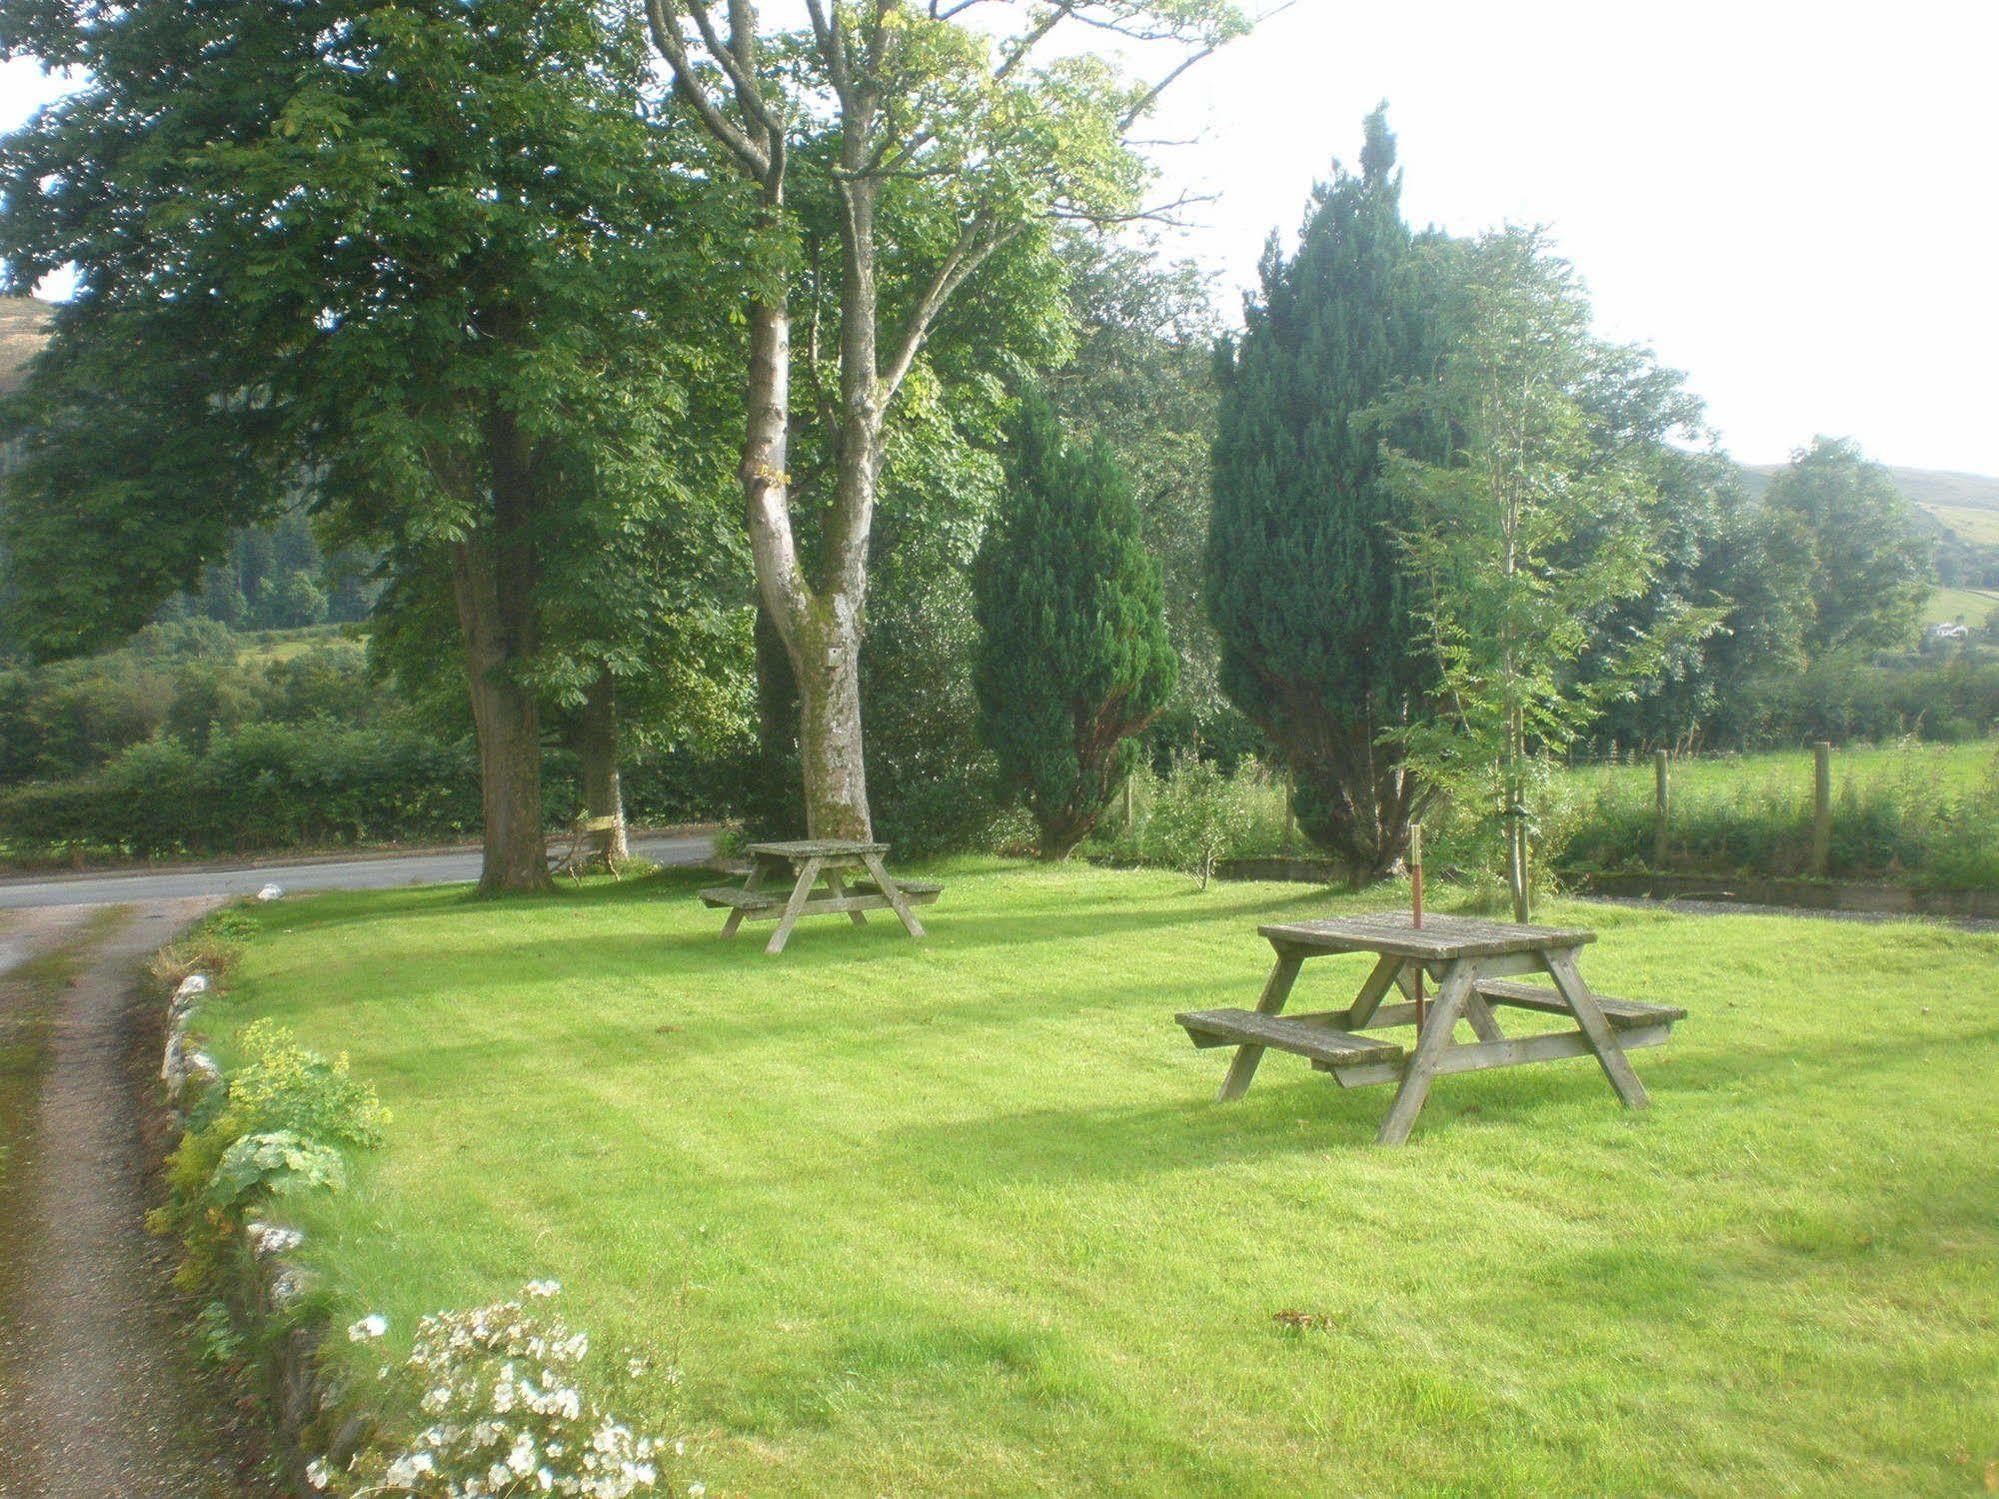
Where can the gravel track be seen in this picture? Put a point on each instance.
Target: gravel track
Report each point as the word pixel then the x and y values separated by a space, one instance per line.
pixel 101 1394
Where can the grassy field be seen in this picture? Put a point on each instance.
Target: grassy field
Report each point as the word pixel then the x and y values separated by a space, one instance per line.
pixel 268 646
pixel 961 1217
pixel 1950 769
pixel 1925 814
pixel 1968 606
pixel 1976 523
pixel 1910 812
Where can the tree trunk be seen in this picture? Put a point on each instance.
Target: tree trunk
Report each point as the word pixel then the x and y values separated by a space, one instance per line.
pixel 597 749
pixel 827 666
pixel 821 629
pixel 1058 841
pixel 1353 797
pixel 1516 869
pixel 771 805
pixel 508 721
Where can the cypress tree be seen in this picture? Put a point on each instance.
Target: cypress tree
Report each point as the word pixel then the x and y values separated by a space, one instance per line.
pixel 1073 654
pixel 1304 584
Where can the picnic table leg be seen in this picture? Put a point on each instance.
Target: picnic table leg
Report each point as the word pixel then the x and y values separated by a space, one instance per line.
pixel 754 882
pixel 839 888
pixel 807 878
pixel 1387 972
pixel 1435 1040
pixel 1602 1040
pixel 893 892
pixel 1276 989
pixel 1477 1011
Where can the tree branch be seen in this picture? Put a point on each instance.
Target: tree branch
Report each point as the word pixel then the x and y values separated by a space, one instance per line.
pixel 736 59
pixel 976 244
pixel 663 21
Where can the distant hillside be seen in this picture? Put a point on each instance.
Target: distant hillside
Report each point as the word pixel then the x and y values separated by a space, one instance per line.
pixel 24 326
pixel 1966 505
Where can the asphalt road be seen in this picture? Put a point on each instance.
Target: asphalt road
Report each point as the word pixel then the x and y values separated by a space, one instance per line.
pixel 378 873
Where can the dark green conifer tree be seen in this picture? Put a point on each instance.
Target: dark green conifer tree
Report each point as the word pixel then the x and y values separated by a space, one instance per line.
pixel 1074 658
pixel 1304 583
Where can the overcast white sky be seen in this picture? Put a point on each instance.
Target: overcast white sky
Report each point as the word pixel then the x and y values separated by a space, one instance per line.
pixel 1795 201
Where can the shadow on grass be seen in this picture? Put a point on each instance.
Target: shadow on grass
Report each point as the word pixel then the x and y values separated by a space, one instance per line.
pixel 956 921
pixel 1119 1142
pixel 324 909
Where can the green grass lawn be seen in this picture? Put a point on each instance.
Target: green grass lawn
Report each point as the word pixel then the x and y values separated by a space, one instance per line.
pixel 962 1217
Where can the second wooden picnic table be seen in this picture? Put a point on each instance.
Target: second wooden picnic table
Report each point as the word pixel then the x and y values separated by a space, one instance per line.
pixel 805 862
pixel 1474 964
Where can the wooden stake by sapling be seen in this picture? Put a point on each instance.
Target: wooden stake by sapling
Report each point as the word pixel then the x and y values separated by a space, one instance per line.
pixel 1416 906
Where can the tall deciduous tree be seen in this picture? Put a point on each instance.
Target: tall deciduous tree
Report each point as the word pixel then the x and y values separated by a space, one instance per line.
pixel 1870 568
pixel 932 146
pixel 1318 643
pixel 1074 658
pixel 1524 543
pixel 422 252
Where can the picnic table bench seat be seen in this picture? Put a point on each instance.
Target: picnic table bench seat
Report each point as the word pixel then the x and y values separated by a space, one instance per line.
pixel 717 896
pixel 1296 1034
pixel 916 892
pixel 1623 1014
pixel 751 902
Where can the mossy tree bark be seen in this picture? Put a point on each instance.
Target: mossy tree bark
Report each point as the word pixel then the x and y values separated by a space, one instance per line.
pixel 596 745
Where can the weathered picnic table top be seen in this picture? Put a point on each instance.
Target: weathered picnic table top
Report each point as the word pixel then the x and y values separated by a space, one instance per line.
pixel 1439 937
pixel 817 848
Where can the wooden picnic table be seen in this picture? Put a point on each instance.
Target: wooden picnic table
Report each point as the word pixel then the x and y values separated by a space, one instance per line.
pixel 1475 965
pixel 805 862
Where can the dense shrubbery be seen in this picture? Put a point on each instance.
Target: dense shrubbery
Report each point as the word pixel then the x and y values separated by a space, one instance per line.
pixel 275 1127
pixel 1909 814
pixel 276 786
pixel 194 741
pixel 1194 816
pixel 186 680
pixel 1200 817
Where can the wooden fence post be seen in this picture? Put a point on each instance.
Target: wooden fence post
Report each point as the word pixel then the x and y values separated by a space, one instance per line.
pixel 1821 807
pixel 1290 809
pixel 1662 806
pixel 1127 806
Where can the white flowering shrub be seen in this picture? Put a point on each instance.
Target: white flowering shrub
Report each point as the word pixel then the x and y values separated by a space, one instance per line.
pixel 502 1390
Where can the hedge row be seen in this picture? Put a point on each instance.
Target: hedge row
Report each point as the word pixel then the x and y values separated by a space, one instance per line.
pixel 265 786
